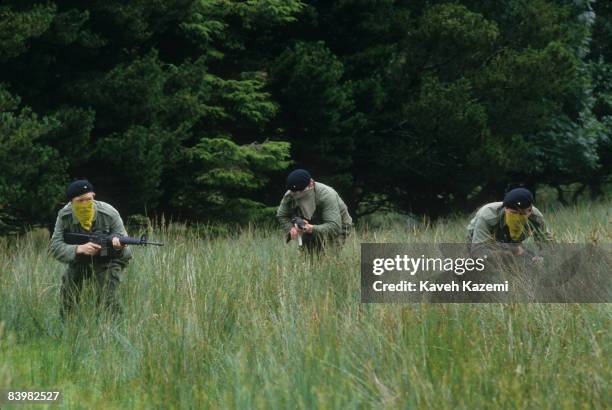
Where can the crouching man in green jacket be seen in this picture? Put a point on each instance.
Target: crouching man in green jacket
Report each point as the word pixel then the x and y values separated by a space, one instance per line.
pixel 326 217
pixel 82 214
pixel 499 228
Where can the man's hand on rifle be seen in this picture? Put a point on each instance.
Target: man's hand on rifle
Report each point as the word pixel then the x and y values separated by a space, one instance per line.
pixel 295 230
pixel 89 248
pixel 117 243
pixel 307 227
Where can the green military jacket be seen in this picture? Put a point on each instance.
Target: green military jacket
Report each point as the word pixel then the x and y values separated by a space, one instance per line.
pixel 488 226
pixel 330 217
pixel 106 219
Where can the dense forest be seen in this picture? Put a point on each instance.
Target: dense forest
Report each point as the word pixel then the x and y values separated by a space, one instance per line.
pixel 197 109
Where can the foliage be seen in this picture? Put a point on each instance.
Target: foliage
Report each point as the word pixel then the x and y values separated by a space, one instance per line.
pixel 225 173
pixel 31 177
pixel 600 66
pixel 452 98
pixel 135 87
pixel 426 107
pixel 318 110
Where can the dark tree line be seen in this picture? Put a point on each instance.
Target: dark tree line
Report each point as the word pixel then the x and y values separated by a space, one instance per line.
pixel 196 109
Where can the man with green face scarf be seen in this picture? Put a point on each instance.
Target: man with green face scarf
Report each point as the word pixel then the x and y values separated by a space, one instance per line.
pixel 82 214
pixel 326 217
pixel 509 222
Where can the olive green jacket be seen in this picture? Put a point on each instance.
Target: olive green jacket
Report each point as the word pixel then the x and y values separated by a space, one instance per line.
pixel 106 219
pixel 330 217
pixel 488 227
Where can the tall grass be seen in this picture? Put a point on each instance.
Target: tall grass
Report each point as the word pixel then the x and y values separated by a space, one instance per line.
pixel 244 322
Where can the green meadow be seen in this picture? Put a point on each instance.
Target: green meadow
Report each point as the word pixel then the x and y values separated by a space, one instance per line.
pixel 243 321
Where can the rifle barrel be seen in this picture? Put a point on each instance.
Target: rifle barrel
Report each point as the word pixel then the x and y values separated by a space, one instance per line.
pixel 155 243
pixel 127 240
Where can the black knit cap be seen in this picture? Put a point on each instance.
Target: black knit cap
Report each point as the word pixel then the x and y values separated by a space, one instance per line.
pixel 518 198
pixel 78 187
pixel 298 180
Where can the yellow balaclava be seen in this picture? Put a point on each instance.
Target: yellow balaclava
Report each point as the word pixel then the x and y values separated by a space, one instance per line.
pixel 84 212
pixel 516 224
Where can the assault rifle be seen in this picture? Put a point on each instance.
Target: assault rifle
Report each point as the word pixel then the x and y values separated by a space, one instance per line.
pixel 105 240
pixel 296 220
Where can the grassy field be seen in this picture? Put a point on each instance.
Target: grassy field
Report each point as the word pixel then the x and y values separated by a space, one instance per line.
pixel 244 322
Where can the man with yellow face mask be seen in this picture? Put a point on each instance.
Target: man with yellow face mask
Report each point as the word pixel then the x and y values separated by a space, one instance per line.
pixel 509 222
pixel 83 214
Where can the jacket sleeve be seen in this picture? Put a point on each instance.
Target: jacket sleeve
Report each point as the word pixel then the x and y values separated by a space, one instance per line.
pixel 284 213
pixel 483 242
pixel 330 215
pixel 481 232
pixel 59 249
